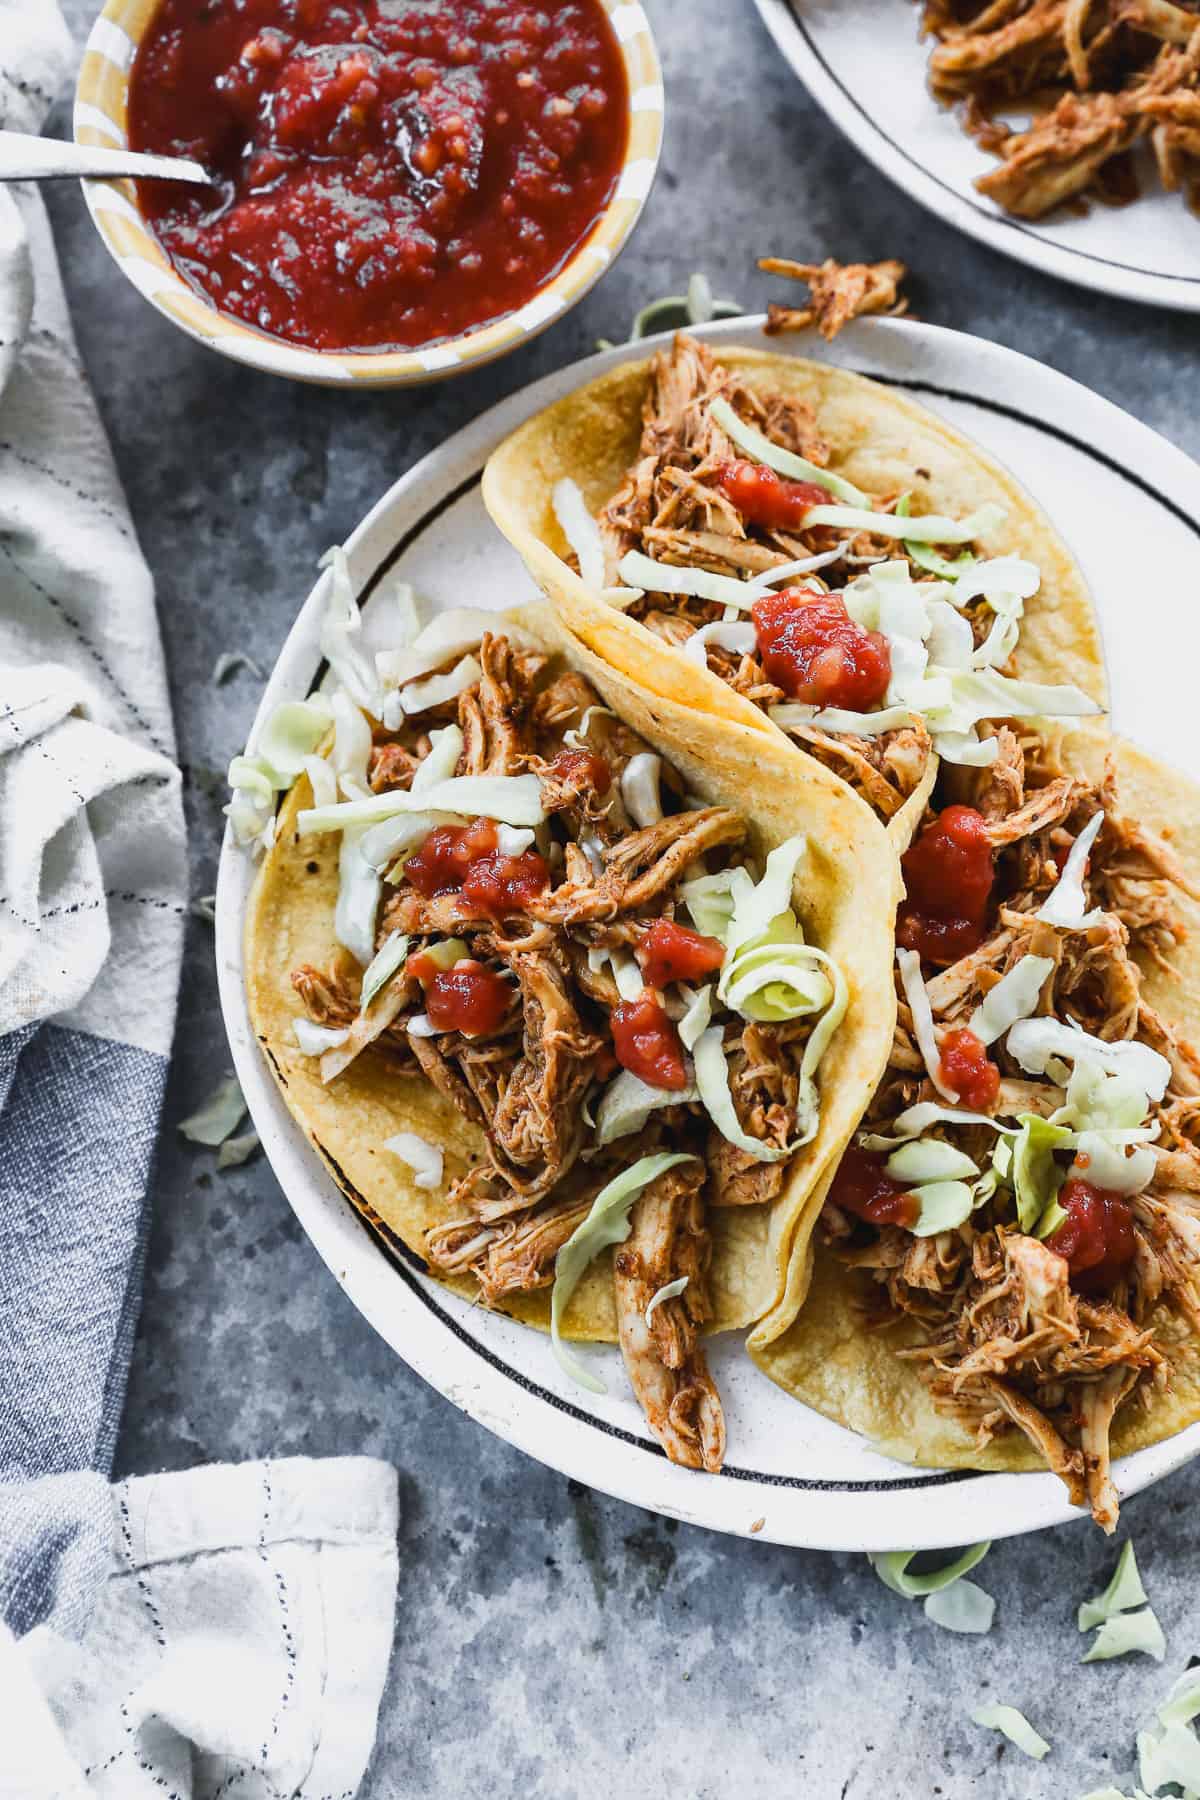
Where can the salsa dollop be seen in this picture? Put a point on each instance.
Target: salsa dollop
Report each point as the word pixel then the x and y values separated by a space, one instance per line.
pixel 948 875
pixel 466 860
pixel 647 1044
pixel 392 172
pixel 863 1187
pixel 969 1071
pixel 812 649
pixel 1096 1237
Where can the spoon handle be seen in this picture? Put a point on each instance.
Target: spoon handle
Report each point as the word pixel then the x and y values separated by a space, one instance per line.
pixel 24 157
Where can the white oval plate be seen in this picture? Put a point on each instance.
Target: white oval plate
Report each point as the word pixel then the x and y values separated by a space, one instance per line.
pixel 792 1476
pixel 864 63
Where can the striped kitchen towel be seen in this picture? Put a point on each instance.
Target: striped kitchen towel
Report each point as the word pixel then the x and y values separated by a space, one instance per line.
pixel 92 900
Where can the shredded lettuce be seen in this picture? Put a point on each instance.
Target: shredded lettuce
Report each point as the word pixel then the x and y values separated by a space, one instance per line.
pixel 778 977
pixel 1037 1178
pixel 639 788
pixel 1046 1046
pixel 1171 1755
pixel 1106 1164
pixel 1123 1592
pixel 929 1159
pixel 791 713
pixel 891 1566
pixel 709 899
pixel 359 888
pixel 1015 1727
pixel 1183 1699
pixel 426 1160
pixel 237 1150
pixel 580 530
pixel 322 780
pixel 350 757
pixel 628 1101
pixel 773 456
pixel 922 1018
pixel 1014 997
pixel 218 1118
pixel 289 736
pixel 314 1039
pixel 918 1118
pixel 758 904
pixel 607 1224
pixel 451 634
pixel 712 1080
pixel 668 1291
pixel 925 558
pixel 435 690
pixel 1126 1633
pixel 1064 906
pixel 962 1607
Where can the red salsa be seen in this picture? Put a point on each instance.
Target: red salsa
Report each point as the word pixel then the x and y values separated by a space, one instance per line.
pixel 391 172
pixel 764 498
pixel 812 649
pixel 969 1071
pixel 1096 1237
pixel 581 771
pixel 948 877
pixel 863 1187
pixel 465 860
pixel 469 998
pixel 647 1043
pixel 670 952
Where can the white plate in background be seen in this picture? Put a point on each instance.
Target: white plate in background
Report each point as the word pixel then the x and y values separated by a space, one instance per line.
pixel 865 65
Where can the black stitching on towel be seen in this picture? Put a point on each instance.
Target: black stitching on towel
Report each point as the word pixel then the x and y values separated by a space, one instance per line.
pixel 98 658
pixel 21 742
pixel 29 90
pixel 68 487
pixel 160 1636
pixel 281 1595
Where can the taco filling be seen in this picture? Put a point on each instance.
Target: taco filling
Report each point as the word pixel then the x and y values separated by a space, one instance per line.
pixel 873 634
pixel 588 963
pixel 1023 1196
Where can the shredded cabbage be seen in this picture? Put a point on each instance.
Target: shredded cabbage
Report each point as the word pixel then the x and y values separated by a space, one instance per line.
pixel 668 1291
pixel 351 754
pixel 447 636
pixel 962 1607
pixel 736 636
pixel 289 737
pixel 1037 1178
pixel 1014 997
pixel 1064 906
pixel 607 1224
pixel 927 528
pixel 712 1080
pixel 669 578
pixel 758 904
pixel 1015 1727
pixel 359 888
pixel 796 468
pixel 1105 1164
pixel 891 1566
pixel 943 1205
pixel 778 977
pixel 512 799
pixel 576 736
pixel 426 1160
pixel 922 1018
pixel 929 1159
pixel 580 530
pixel 916 1119
pixel 322 780
pixel 237 1150
pixel 1169 1756
pixel 709 899
pixel 366 1028
pixel 1123 1592
pixel 436 690
pixel 791 713
pixel 696 1018
pixel 803 565
pixel 313 1039
pixel 639 788
pixel 1125 1633
pixel 341 630
pixel 218 1118
pixel 1045 1046
pixel 628 1101
pixel 1183 1700
pixel 382 967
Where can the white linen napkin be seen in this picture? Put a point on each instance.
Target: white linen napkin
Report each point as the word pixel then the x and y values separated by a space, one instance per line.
pixel 238 1646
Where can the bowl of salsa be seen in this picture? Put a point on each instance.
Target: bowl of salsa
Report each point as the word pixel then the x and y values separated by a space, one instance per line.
pixel 403 189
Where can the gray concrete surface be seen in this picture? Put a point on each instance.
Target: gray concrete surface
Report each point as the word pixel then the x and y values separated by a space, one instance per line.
pixel 551 1642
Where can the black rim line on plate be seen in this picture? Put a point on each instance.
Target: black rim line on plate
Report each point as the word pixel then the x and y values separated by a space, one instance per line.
pixel 1109 262
pixel 411 1267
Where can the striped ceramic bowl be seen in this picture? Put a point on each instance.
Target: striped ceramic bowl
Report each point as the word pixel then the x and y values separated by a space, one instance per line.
pixel 100 104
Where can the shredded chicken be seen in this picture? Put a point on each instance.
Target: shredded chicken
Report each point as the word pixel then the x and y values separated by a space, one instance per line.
pixel 838 292
pixel 1010 1338
pixel 1097 75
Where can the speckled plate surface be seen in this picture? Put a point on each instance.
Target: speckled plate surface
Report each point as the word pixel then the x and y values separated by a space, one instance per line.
pixel 866 66
pixel 792 1477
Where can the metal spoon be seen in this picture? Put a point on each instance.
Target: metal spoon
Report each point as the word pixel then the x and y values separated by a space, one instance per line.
pixel 24 157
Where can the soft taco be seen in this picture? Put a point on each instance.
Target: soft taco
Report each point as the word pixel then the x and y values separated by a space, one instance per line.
pixel 544 966
pixel 1006 1266
pixel 799 550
